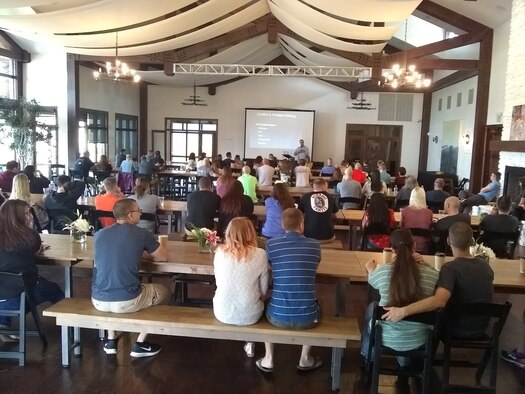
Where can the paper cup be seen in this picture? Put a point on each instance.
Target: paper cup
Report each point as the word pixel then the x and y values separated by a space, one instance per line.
pixel 163 240
pixel 522 265
pixel 439 260
pixel 387 255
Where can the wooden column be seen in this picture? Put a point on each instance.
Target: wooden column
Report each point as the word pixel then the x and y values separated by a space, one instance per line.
pixel 425 129
pixel 73 103
pixel 482 103
pixel 143 118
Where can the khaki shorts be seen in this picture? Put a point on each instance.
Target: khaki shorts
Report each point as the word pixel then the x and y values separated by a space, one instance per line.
pixel 150 294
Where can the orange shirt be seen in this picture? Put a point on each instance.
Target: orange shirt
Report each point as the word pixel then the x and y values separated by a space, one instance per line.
pixel 105 202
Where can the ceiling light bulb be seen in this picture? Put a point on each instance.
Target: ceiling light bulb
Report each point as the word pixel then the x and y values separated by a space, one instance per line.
pixel 426 82
pixel 394 84
pixel 395 67
pixel 418 84
pixel 412 68
pixel 136 78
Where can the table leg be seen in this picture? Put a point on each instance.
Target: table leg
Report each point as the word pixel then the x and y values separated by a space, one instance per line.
pixel 170 218
pixel 68 291
pixel 335 370
pixel 65 346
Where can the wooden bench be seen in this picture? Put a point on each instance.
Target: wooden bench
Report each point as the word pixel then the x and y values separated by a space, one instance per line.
pixel 332 332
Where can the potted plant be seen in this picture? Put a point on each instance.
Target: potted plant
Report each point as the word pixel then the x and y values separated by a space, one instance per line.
pixel 22 128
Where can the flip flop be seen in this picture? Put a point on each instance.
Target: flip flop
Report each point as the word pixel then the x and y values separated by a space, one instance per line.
pixel 259 365
pixel 318 363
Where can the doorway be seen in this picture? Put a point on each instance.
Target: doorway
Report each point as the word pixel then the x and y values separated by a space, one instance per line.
pixel 370 143
pixel 490 157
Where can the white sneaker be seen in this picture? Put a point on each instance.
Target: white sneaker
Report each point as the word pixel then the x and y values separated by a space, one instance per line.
pixel 249 348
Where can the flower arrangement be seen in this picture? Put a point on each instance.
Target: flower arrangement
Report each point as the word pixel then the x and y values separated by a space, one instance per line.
pixel 205 237
pixel 78 229
pixel 480 250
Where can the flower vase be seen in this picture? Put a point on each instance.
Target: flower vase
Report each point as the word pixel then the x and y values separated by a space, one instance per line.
pixel 77 236
pixel 204 247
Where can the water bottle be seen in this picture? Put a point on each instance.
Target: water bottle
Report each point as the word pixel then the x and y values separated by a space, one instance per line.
pixel 395 190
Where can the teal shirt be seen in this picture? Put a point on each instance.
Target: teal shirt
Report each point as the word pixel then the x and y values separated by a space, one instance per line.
pixel 249 183
pixel 403 335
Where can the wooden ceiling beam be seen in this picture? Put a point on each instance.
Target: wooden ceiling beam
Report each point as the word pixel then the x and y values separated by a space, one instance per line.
pixel 445 64
pixel 272 30
pixel 454 78
pixel 9 48
pixel 453 18
pixel 435 47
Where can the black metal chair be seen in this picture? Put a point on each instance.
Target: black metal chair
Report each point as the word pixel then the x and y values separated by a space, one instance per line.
pixel 96 215
pixel 372 229
pixel 421 358
pixel 355 200
pixel 495 314
pixel 435 206
pixel 22 283
pixel 399 204
pixel 502 244
pixel 460 186
pixel 427 235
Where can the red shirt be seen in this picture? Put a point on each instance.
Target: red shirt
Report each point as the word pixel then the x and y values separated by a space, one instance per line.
pixel 359 176
pixel 105 202
pixel 6 181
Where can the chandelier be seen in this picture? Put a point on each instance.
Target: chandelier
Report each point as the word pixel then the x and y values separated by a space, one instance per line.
pixel 194 98
pixel 118 72
pixel 361 104
pixel 403 76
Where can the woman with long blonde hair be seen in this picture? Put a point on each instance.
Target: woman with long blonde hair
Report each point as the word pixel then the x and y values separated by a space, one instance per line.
pixel 241 276
pixel 418 216
pixel 22 191
pixel 148 203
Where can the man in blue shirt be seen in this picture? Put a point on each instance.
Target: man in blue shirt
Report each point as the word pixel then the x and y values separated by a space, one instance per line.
pixel 116 286
pixel 485 195
pixel 294 260
pixel 328 169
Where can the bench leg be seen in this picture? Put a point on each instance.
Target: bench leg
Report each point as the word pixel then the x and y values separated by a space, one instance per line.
pixel 65 346
pixel 77 349
pixel 335 371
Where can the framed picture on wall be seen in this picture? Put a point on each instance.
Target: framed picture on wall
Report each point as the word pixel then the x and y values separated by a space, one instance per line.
pixel 517 125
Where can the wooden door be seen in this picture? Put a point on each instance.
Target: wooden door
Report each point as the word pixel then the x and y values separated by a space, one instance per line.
pixel 370 143
pixel 490 158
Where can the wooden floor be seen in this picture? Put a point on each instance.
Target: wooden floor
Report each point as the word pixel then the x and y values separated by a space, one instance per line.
pixel 188 365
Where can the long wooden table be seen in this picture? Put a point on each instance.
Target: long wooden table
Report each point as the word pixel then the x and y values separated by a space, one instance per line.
pixel 355 219
pixel 294 191
pixel 338 267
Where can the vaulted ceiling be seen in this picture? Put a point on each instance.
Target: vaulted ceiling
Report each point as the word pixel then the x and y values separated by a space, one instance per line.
pixel 153 35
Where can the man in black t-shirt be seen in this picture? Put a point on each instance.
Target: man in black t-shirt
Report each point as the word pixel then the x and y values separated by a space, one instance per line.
pixel 441 227
pixel 318 208
pixel 202 206
pixel 84 164
pixel 465 279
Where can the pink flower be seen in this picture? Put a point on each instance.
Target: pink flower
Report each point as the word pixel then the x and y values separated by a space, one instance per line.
pixel 212 238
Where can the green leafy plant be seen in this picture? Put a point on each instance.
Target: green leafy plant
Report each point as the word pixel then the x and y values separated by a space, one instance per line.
pixel 21 127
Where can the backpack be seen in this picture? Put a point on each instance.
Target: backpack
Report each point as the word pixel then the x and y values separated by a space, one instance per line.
pixel 41 215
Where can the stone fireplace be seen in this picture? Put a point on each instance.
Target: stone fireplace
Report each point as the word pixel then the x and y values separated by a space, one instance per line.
pixel 511 186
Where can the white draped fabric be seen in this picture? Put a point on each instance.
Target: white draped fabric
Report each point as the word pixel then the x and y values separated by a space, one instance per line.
pixel 332 25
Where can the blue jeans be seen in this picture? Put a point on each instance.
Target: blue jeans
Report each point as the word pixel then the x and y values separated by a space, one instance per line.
pixel 365 337
pixel 295 325
pixel 42 291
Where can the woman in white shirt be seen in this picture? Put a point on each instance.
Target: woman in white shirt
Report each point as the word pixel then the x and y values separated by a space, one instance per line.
pixel 302 174
pixel 374 185
pixel 241 276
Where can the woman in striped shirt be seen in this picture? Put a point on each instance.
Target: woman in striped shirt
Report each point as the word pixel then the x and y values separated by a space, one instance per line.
pixel 400 283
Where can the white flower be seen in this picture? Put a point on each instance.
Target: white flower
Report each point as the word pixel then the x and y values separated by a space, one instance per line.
pixel 480 250
pixel 80 224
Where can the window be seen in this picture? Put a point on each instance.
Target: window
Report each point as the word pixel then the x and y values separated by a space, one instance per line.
pixel 458 99
pixel 470 96
pixel 126 132
pixel 93 133
pixel 8 78
pixel 191 135
pixel 449 102
pixel 440 104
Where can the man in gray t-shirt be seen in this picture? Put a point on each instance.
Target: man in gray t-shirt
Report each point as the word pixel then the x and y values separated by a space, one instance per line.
pixel 349 188
pixel 116 286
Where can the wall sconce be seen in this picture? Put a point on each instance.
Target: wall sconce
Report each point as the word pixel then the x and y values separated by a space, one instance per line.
pixel 435 139
pixel 467 139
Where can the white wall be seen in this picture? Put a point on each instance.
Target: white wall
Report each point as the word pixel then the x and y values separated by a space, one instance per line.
pixel 464 113
pixel 500 48
pixel 515 82
pixel 328 101
pixel 111 97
